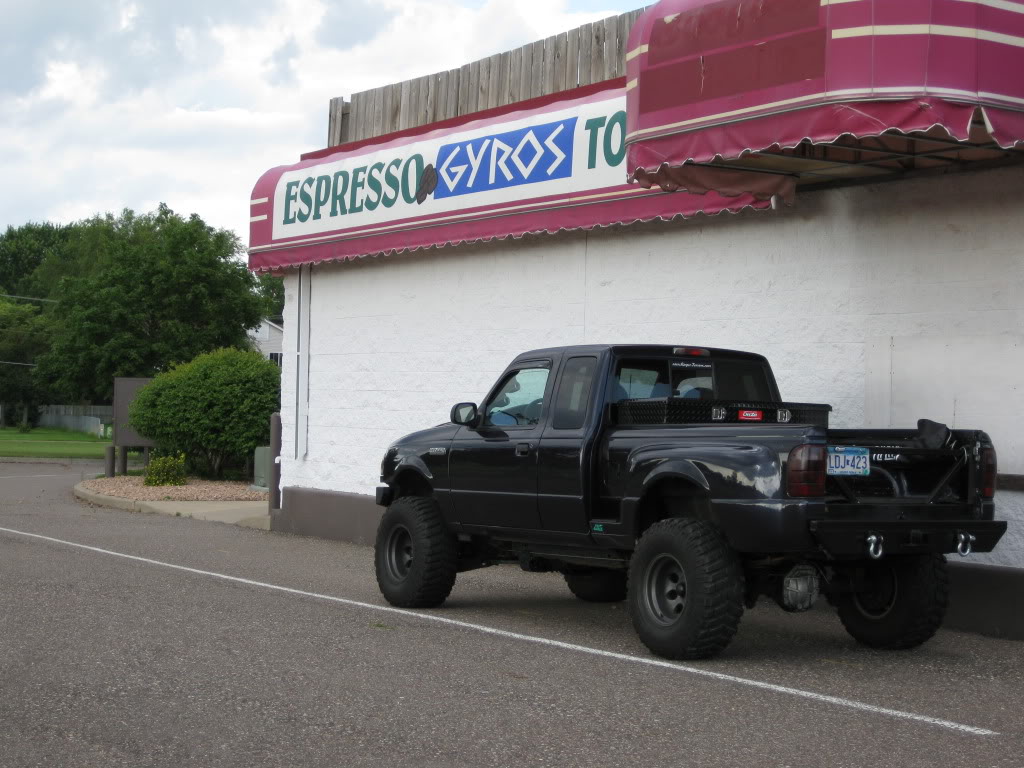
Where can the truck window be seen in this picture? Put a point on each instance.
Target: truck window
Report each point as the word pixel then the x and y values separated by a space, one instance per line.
pixel 742 380
pixel 701 379
pixel 692 380
pixel 520 400
pixel 638 379
pixel 574 393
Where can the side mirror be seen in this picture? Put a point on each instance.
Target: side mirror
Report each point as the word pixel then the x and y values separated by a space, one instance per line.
pixel 464 414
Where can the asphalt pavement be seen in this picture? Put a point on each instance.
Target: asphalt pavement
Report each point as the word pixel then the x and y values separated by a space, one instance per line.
pixel 131 639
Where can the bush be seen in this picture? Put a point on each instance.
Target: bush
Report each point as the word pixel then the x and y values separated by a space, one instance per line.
pixel 166 470
pixel 215 409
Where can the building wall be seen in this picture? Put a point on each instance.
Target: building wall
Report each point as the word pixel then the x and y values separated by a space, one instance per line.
pixel 394 342
pixel 268 338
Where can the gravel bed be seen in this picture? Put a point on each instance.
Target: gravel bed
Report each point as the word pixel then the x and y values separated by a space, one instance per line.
pixel 131 487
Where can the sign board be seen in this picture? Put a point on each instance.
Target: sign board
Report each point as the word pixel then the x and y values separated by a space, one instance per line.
pixel 125 390
pixel 545 165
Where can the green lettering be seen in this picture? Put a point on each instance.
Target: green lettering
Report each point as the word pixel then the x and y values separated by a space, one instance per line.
pixel 391 179
pixel 305 199
pixel 373 182
pixel 614 155
pixel 357 186
pixel 323 194
pixel 291 191
pixel 338 193
pixel 593 126
pixel 409 189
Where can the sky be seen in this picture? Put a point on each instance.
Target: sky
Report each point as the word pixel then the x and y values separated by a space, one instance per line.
pixel 113 104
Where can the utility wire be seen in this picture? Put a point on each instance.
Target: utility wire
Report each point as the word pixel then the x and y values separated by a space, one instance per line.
pixel 5 362
pixel 26 298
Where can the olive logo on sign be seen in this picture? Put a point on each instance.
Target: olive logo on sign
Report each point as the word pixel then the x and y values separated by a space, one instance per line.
pixel 427 185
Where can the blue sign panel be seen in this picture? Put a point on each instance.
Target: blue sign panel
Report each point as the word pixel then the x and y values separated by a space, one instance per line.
pixel 523 156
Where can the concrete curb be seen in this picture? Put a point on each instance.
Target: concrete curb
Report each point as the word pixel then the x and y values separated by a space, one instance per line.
pixel 231 513
pixel 100 500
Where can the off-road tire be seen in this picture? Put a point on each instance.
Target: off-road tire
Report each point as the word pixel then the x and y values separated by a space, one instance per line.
pixel 705 620
pixel 416 556
pixel 597 585
pixel 907 618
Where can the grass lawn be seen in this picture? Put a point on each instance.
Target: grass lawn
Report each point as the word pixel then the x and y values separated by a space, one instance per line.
pixel 50 443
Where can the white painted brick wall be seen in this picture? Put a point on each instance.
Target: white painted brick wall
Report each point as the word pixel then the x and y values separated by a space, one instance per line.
pixel 396 341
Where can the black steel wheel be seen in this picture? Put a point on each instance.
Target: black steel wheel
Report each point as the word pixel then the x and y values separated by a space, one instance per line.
pixel 686 589
pixel 398 553
pixel 665 589
pixel 901 603
pixel 597 585
pixel 416 556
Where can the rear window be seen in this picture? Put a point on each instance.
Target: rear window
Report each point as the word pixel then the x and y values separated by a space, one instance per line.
pixel 742 380
pixel 699 379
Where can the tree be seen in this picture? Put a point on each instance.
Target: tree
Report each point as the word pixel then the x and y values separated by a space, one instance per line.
pixel 23 337
pixel 272 290
pixel 148 291
pixel 216 408
pixel 23 250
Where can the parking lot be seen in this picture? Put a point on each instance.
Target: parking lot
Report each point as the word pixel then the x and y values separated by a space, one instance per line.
pixel 140 640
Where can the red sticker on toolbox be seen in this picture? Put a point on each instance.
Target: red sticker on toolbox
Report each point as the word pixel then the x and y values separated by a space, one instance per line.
pixel 751 416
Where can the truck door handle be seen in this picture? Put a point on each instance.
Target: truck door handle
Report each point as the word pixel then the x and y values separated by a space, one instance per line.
pixel 523 449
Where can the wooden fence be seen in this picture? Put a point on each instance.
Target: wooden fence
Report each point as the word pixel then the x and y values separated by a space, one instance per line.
pixel 581 56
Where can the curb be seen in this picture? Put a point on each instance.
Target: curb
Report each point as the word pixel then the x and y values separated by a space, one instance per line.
pixel 101 500
pixel 260 522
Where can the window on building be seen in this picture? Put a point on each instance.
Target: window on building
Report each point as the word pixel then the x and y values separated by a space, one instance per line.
pixel 276 357
pixel 574 393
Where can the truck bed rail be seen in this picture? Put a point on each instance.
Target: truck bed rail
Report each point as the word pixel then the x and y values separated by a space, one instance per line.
pixel 679 410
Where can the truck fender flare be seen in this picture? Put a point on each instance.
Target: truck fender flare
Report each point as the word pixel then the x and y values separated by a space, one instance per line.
pixel 413 464
pixel 682 469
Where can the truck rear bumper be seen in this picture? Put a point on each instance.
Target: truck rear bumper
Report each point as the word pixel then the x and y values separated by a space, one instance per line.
pixel 850 538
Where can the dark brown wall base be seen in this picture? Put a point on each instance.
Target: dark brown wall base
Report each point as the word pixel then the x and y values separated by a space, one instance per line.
pixel 987 599
pixel 327 514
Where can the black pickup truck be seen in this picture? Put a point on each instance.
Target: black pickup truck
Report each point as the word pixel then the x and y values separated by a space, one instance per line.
pixel 677 479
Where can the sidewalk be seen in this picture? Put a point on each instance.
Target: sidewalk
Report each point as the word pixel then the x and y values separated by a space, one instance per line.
pixel 250 514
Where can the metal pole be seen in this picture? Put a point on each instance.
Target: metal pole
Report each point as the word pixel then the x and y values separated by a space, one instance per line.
pixel 122 460
pixel 108 461
pixel 274 457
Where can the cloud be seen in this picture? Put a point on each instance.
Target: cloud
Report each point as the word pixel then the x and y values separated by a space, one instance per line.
pixel 108 104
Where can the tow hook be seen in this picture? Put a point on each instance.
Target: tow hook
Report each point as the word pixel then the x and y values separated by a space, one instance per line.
pixel 876 546
pixel 964 543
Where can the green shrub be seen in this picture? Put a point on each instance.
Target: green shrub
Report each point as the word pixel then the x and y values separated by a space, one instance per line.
pixel 166 470
pixel 215 409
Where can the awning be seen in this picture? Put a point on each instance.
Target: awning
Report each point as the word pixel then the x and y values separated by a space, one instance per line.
pixel 787 92
pixel 550 164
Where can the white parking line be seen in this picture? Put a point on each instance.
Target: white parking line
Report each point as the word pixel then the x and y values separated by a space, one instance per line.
pixel 651 662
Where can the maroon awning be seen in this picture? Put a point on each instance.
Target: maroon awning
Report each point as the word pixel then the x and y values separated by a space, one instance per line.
pixel 808 91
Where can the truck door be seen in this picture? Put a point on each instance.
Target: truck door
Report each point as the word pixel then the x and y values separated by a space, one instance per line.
pixel 494 467
pixel 564 471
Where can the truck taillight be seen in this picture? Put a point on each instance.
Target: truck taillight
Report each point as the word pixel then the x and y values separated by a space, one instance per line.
pixel 988 472
pixel 805 471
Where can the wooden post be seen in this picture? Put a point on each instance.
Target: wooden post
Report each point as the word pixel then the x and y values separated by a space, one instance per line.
pixel 122 460
pixel 108 461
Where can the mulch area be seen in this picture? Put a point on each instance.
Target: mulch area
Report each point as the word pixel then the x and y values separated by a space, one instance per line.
pixel 131 487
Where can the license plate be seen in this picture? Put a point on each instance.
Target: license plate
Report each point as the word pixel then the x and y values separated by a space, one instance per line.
pixel 845 460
